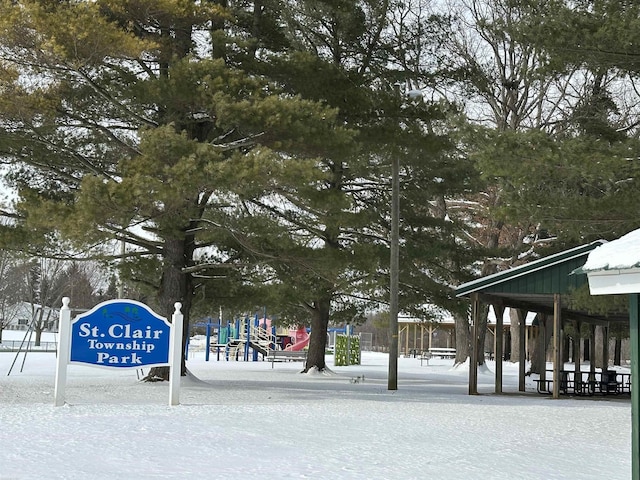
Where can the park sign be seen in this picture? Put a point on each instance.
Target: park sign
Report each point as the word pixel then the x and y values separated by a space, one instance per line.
pixel 119 334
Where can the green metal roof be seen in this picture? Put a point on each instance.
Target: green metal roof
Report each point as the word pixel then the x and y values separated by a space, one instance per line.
pixel 532 286
pixel 547 275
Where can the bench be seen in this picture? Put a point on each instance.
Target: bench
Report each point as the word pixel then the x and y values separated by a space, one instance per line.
pixel 442 352
pixel 424 357
pixel 286 356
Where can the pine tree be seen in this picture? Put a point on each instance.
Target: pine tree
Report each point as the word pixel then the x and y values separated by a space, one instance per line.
pixel 129 121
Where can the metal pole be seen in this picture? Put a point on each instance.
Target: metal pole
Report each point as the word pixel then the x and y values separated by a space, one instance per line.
pixel 394 267
pixel 634 320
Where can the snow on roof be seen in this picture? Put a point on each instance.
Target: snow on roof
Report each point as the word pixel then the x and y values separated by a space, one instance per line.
pixel 447 319
pixel 623 253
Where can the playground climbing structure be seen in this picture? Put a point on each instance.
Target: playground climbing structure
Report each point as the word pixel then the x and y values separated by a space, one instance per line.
pixel 253 339
pixel 247 339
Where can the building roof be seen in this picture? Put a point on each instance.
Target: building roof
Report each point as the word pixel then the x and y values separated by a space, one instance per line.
pixel 620 254
pixel 532 286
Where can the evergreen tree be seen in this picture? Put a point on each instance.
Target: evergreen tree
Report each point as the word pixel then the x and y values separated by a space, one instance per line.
pixel 331 253
pixel 130 120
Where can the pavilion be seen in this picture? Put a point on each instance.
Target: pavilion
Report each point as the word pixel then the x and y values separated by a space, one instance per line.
pixel 543 286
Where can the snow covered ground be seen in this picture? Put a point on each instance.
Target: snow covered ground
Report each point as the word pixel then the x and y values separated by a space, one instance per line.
pixel 245 420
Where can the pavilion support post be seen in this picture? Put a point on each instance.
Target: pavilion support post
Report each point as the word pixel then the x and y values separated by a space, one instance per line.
pixel 473 354
pixel 557 344
pixel 592 353
pixel 577 376
pixel 634 324
pixel 522 321
pixel 605 347
pixel 497 351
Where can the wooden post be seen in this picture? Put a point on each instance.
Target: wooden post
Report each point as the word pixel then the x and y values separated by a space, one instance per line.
pixel 634 324
pixel 592 352
pixel 522 317
pixel 497 352
pixel 557 344
pixel 577 375
pixel 473 354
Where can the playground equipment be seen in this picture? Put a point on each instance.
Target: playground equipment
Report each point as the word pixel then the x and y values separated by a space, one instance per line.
pixel 246 339
pixel 254 337
pixel 301 339
pixel 220 333
pixel 347 348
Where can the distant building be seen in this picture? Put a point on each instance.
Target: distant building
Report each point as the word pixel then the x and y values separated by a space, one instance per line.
pixel 23 314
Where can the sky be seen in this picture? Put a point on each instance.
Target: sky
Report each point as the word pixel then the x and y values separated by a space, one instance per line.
pixel 245 420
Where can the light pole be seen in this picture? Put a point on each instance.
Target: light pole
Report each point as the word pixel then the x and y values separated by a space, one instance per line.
pixel 394 271
pixel 394 261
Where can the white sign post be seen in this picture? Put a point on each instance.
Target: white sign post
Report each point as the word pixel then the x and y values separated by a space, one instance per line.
pixel 64 343
pixel 175 355
pixel 120 334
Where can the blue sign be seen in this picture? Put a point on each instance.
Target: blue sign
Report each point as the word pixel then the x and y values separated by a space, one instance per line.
pixel 120 333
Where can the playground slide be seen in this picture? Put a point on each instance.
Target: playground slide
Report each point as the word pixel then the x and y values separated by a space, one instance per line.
pixel 302 340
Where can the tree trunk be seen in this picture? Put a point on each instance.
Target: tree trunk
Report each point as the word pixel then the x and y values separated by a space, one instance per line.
pixel 506 355
pixel 38 330
pixel 318 338
pixel 175 286
pixel 482 332
pixel 514 328
pixel 565 349
pixel 597 355
pixel 462 338
pixel 617 351
pixel 534 346
pixel 38 326
pixel 586 354
pixel 539 351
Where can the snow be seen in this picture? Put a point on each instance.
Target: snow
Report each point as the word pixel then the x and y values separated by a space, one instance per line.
pixel 245 420
pixel 622 253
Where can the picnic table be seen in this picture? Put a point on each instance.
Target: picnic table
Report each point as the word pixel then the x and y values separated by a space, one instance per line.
pixel 442 352
pixel 609 382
